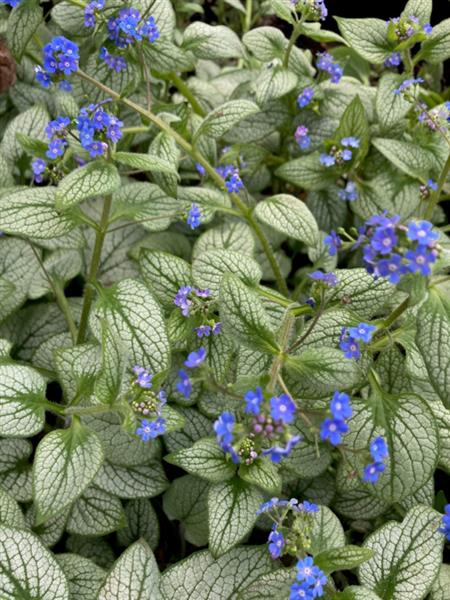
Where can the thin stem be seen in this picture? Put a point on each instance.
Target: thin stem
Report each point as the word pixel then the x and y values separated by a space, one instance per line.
pixel 95 262
pixel 97 409
pixel 396 313
pixel 146 76
pixel 434 199
pixel 294 37
pixel 245 211
pixel 61 299
pixel 248 15
pixel 408 62
pixel 313 323
pixel 283 340
pixel 183 88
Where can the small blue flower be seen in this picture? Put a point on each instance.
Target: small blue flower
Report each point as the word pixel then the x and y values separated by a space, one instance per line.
pixel 329 279
pixel 253 400
pixel 420 260
pixel 392 268
pixel 144 378
pixel 305 97
pixel 384 240
pixel 276 453
pixel 372 472
pixel 282 408
pixel 184 385
pixel 200 169
pixel 350 192
pixel 432 185
pixel 112 61
pixel 203 331
pixel 346 155
pixel 151 429
pixel 325 63
pixel 302 138
pixel 195 359
pixel 332 430
pixel 428 28
pixel 267 506
pixel 301 591
pixel 234 183
pixel 393 60
pixel 349 345
pixel 276 543
pixel 38 167
pixel 217 328
pixel 421 232
pixel 59 125
pixel 182 301
pixel 445 527
pixel 350 142
pixel 56 148
pixel 194 216
pixel 340 406
pixel 307 507
pixel 327 160
pixel 362 332
pixel 334 242
pixel 408 83
pixel 224 427
pixel 378 449
pixel 307 571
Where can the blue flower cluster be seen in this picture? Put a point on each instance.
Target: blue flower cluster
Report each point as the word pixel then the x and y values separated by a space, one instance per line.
pixel 436 119
pixel 310 581
pixel 196 302
pixel 352 337
pixel 403 28
pixel 302 138
pixel 293 504
pixel 313 10
pixel 11 3
pixel 146 402
pixel 186 298
pixel 95 126
pixel 445 528
pixel 90 12
pixel 230 174
pixel 194 360
pixel 333 428
pixel 194 217
pixel 340 155
pixel 328 279
pixel 267 424
pixel 324 62
pixel 305 97
pixel 60 60
pixel 379 452
pixel 405 85
pixel 115 62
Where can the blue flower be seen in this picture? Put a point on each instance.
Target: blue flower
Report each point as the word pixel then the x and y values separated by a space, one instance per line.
pixel 420 260
pixel 392 268
pixel 329 279
pixel 332 430
pixel 56 148
pixel 384 240
pixel 89 12
pixel 362 332
pixel 182 301
pixel 307 507
pixel 276 543
pixel 327 160
pixel 421 232
pixel 301 591
pixel 224 427
pixel 346 154
pixel 325 63
pixel 217 328
pixel 445 527
pixel 305 97
pixel 42 77
pixel 349 345
pixel 253 400
pixel 372 472
pixel 393 60
pixel 307 571
pixel 351 142
pixel 150 30
pixel 151 429
pixel 350 192
pixel 267 506
pixel 60 58
pixel 334 242
pixel 195 359
pixel 276 453
pixel 427 28
pixel 408 83
pixel 38 167
pixel 200 169
pixel 144 378
pixel 59 125
pixel 184 385
pixel 378 449
pixel 203 331
pixel 302 138
pixel 340 406
pixel 112 61
pixel 234 183
pixel 432 185
pixel 282 408
pixel 194 216
pixel 11 3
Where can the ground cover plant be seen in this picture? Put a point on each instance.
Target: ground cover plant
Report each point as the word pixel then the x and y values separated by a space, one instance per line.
pixel 224 302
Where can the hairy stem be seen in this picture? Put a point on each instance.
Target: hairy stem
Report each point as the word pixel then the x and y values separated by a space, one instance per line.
pixel 245 211
pixel 92 275
pixel 434 199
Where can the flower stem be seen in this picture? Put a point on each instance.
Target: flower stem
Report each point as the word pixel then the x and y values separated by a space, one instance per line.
pixel 396 313
pixel 294 37
pixel 434 200
pixel 95 262
pixel 183 88
pixel 245 211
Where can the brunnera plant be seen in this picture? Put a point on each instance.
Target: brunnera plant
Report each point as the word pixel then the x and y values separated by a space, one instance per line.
pixel 224 311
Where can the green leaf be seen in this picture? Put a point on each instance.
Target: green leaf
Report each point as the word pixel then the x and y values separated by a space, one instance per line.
pixel 134 316
pixel 306 172
pixel 61 266
pixel 283 9
pixel 390 107
pixel 145 162
pixel 142 522
pixel 357 592
pixel 95 513
pixel 208 269
pixel 65 464
pixel 140 481
pixel 265 43
pixel 354 122
pixel 221 578
pixel 164 273
pixel 206 459
pixel 232 510
pixel 407 556
pixel 244 315
pixel 406 156
pixel 289 215
pixel 212 42
pixel 27 567
pixel 186 500
pixel 420 9
pixel 316 33
pixel 97 178
pixel 226 116
pixel 273 83
pixel 364 294
pixel 262 473
pixel 134 576
pixel 166 148
pixel 77 367
pixel 441 585
pixel 367 36
pixel 10 513
pixel 326 531
pixel 22 23
pixel 270 586
pixel 436 48
pixel 31 213
pixel 339 559
pixel 83 575
pixel 31 122
pixel 22 398
pixel 15 470
pixel 108 384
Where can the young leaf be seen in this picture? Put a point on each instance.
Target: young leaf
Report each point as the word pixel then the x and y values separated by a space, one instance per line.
pixel 209 268
pixel 66 462
pixel 97 178
pixel 339 559
pixel 354 123
pixel 146 162
pixel 164 273
pixel 407 556
pixel 186 501
pixel 134 576
pixel 367 36
pixel 232 510
pixel 226 116
pixel 206 459
pixel 262 473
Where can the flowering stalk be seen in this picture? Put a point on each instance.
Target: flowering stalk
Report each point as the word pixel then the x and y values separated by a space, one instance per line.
pixel 434 200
